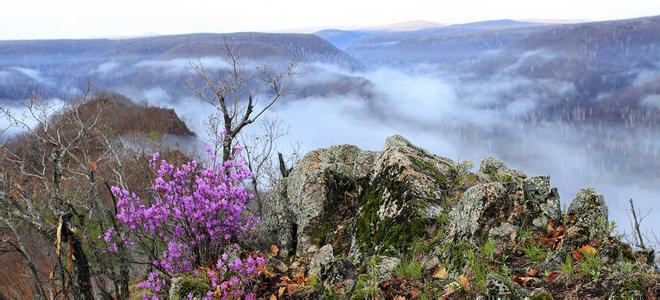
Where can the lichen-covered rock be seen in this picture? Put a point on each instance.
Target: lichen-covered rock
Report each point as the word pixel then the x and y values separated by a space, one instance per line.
pixel 385 266
pixel 306 207
pixel 586 219
pixel 540 203
pixel 394 207
pixel 505 232
pixel 498 171
pixel 481 208
pixel 277 225
pixel 500 287
pixel 320 260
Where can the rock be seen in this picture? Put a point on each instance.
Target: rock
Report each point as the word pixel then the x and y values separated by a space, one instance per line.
pixel 498 171
pixel 540 202
pixel 321 259
pixel 405 182
pixel 306 206
pixel 501 287
pixel 386 265
pixel 277 265
pixel 587 219
pixel 339 272
pixel 506 233
pixel 430 263
pixel 181 286
pixel 277 224
pixel 481 208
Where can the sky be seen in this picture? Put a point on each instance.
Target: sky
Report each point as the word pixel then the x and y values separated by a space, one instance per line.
pixel 48 19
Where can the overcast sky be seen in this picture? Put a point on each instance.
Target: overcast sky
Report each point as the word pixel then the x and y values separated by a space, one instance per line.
pixel 29 19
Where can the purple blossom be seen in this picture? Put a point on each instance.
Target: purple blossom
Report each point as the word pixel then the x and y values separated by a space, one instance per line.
pixel 197 212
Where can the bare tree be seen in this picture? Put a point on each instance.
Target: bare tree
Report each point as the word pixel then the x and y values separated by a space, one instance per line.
pixel 49 184
pixel 236 108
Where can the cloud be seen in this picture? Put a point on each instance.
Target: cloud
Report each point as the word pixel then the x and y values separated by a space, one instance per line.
pixel 651 101
pixel 34 75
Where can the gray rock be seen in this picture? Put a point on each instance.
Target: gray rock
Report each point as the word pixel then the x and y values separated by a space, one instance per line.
pixel 587 219
pixel 480 208
pixel 277 265
pixel 321 259
pixel 505 232
pixel 386 265
pixel 305 194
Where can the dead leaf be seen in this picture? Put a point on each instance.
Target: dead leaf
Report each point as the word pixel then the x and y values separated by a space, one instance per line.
pixel 399 298
pixel 570 218
pixel 550 228
pixel 465 283
pixel 281 291
pixel 532 272
pixel 93 166
pixel 414 293
pixel 273 297
pixel 290 288
pixel 551 277
pixel 274 250
pixel 577 255
pixel 440 273
pixel 522 280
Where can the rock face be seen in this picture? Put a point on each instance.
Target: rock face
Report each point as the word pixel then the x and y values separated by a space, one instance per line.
pixel 365 220
pixel 342 194
pixel 309 205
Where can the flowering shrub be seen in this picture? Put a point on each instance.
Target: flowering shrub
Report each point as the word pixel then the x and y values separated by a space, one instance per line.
pixel 197 213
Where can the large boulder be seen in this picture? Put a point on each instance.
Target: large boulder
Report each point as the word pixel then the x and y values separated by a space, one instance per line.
pixel 506 201
pixel 408 187
pixel 481 208
pixel 306 207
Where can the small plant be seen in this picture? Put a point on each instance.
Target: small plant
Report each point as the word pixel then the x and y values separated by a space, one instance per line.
pixel 488 250
pixel 464 175
pixel 591 265
pixel 479 269
pixel 367 285
pixel 567 267
pixel 534 252
pixel 409 268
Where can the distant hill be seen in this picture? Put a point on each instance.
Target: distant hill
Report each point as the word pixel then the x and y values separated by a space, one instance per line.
pixel 56 68
pixel 604 66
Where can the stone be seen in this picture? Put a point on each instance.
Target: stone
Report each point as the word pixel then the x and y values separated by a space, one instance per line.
pixel 480 208
pixel 277 265
pixel 386 265
pixel 321 259
pixel 506 233
pixel 587 219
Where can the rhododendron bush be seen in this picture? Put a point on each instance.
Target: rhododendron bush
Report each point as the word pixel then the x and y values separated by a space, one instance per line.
pixel 197 213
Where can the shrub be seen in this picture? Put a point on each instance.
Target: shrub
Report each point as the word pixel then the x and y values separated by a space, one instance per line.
pixel 198 214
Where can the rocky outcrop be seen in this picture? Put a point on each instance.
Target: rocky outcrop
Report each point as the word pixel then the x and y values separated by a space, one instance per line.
pixel 381 222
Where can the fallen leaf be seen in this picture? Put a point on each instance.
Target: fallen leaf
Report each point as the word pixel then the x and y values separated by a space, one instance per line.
pixel 280 292
pixel 290 288
pixel 274 250
pixel 522 280
pixel 465 283
pixel 440 273
pixel 551 277
pixel 570 218
pixel 532 272
pixel 273 297
pixel 577 255
pixel 550 228
pixel 93 166
pixel 414 293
